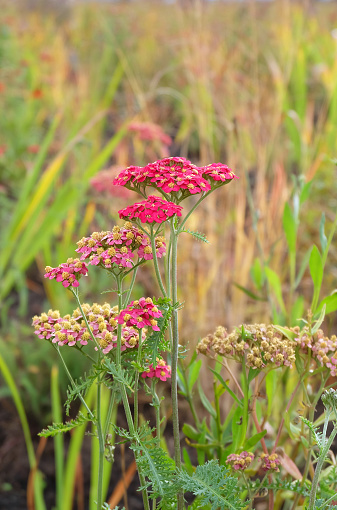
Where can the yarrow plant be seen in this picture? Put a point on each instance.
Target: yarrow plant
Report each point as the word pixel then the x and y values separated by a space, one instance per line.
pixel 128 342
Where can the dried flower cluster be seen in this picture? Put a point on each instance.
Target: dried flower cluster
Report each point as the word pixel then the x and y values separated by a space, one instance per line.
pixel 162 371
pixel 68 273
pixel 240 462
pixel 117 248
pixel 323 349
pixel 176 177
pixel 152 210
pixel 270 462
pixel 261 345
pixel 71 329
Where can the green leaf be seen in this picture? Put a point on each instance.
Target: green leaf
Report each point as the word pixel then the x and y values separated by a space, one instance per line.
pixel 297 310
pixel 290 228
pixel 330 303
pixel 197 235
pixel 57 428
pixel 225 385
pixel 316 272
pixel 190 432
pixel 205 402
pixel 291 335
pixel 304 264
pixel 237 423
pixel 275 284
pixel 252 441
pixel 322 236
pixel 250 293
pixel 319 320
pixel 257 273
pixel 193 374
pixel 305 192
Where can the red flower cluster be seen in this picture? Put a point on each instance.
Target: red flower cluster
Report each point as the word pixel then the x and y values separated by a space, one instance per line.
pixel 140 313
pixel 153 209
pixel 240 462
pixel 72 330
pixel 175 176
pixel 162 371
pixel 117 247
pixel 68 273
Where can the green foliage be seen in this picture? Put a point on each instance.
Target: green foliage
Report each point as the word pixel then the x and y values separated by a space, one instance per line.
pixel 157 341
pixel 280 484
pixel 119 374
pixel 197 235
pixel 214 485
pixel 81 386
pixel 57 428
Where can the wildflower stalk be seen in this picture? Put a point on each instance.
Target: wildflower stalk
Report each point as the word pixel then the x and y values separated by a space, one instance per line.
pixel 139 357
pixel 128 295
pixel 124 394
pixel 155 263
pixel 101 445
pixel 175 351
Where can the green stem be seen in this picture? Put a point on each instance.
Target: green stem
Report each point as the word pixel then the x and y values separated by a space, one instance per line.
pixel 73 383
pixel 157 409
pixel 155 262
pixel 127 299
pixel 75 292
pixel 218 421
pixel 101 446
pixel 321 460
pixel 175 352
pixel 139 358
pixel 192 210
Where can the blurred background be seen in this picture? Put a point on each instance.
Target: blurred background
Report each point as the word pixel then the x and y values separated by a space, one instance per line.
pixel 87 89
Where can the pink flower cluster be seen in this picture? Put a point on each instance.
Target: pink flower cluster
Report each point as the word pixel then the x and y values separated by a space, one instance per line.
pixel 162 371
pixel 68 273
pixel 140 313
pixel 240 462
pixel 102 182
pixel 324 349
pixel 270 462
pixel 117 248
pixel 175 176
pixel 150 131
pixel 153 209
pixel 72 330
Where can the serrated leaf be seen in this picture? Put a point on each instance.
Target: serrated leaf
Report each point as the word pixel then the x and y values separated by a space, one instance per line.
pixel 197 235
pixel 60 428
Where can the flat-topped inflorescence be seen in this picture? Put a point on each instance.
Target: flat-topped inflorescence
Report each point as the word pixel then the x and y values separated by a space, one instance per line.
pixel 72 330
pixel 261 345
pixel 176 178
pixel 68 273
pixel 323 349
pixel 118 247
pixel 152 210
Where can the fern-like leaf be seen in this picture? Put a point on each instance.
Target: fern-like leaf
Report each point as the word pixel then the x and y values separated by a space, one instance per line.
pixel 214 485
pixel 57 428
pixel 119 374
pixel 320 440
pixel 197 235
pixel 80 387
pixel 157 341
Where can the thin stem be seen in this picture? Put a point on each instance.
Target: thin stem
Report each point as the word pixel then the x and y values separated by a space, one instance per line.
pixel 127 299
pixel 101 446
pixel 193 209
pixel 155 263
pixel 139 357
pixel 86 321
pixel 156 404
pixel 74 384
pixel 175 352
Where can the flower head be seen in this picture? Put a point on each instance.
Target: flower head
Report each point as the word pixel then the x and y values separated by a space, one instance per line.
pixel 240 462
pixel 153 209
pixel 140 314
pixel 270 462
pixel 176 177
pixel 162 371
pixel 68 273
pixel 117 248
pixel 261 345
pixel 323 349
